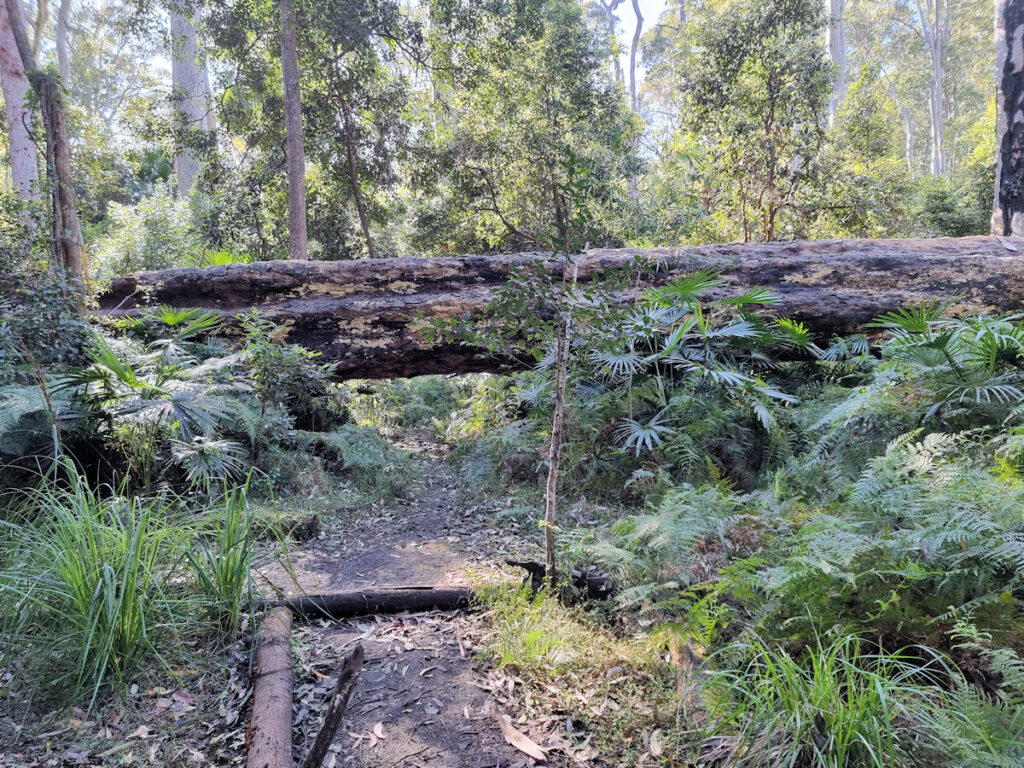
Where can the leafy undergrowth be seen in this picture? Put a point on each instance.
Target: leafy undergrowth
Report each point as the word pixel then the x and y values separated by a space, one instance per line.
pixel 192 713
pixel 576 686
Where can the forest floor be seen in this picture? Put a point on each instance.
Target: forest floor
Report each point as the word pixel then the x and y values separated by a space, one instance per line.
pixel 425 698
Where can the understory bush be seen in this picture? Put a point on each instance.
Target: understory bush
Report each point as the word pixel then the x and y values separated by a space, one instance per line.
pixel 360 454
pixel 156 233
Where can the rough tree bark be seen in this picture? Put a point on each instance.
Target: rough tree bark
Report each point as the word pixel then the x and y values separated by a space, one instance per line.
pixel 67 234
pixel 837 52
pixel 269 734
pixel 1008 211
pixel 188 77
pixel 363 314
pixel 24 167
pixel 295 149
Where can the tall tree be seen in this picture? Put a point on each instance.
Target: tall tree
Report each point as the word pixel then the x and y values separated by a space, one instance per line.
pixel 39 24
pixel 67 233
pixel 190 93
pixel 934 24
pixel 63 30
pixel 24 168
pixel 637 32
pixel 295 150
pixel 837 52
pixel 609 6
pixel 1008 213
pixel 755 92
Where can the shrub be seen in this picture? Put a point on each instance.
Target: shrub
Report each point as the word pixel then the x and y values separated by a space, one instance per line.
pixel 288 376
pixel 360 454
pixel 156 233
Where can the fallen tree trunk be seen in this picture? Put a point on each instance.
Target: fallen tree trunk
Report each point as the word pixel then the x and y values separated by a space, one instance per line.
pixel 362 314
pixel 340 605
pixel 269 735
pixel 350 670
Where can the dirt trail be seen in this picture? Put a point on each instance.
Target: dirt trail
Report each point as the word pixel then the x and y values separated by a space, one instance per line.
pixel 422 699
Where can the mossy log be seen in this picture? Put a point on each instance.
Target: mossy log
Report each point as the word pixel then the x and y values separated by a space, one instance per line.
pixel 366 316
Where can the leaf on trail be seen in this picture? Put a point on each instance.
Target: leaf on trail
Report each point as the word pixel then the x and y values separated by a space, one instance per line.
pixel 518 739
pixel 378 730
pixel 656 748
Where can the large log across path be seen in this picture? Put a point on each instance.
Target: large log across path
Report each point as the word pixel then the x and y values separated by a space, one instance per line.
pixel 362 314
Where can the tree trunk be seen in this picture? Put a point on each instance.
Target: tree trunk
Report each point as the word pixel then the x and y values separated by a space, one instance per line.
pixel 347 677
pixel 189 94
pixel 211 111
pixel 39 25
pixel 343 605
pixel 908 137
pixel 934 22
pixel 353 175
pixel 612 21
pixel 24 163
pixel 632 53
pixel 67 235
pixel 1008 211
pixel 295 151
pixel 554 459
pixel 837 52
pixel 269 733
pixel 63 54
pixel 368 315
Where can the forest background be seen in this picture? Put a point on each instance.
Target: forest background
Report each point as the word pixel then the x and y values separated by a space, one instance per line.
pixel 442 128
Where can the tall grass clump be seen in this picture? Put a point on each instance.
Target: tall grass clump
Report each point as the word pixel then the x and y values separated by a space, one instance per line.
pixel 837 705
pixel 222 559
pixel 85 588
pixel 97 588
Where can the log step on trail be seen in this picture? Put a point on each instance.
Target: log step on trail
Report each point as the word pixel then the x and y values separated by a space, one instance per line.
pixel 344 605
pixel 363 315
pixel 269 734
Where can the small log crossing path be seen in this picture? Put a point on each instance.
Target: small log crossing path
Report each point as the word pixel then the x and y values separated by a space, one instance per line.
pixel 422 699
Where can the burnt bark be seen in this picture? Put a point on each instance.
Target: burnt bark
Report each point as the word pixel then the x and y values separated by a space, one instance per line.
pixel 1008 211
pixel 341 605
pixel 367 315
